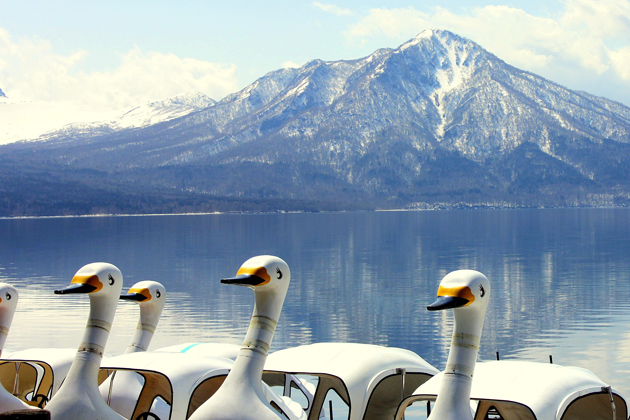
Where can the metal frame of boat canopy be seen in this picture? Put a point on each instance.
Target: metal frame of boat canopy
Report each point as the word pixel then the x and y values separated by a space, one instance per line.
pixel 517 390
pixel 370 379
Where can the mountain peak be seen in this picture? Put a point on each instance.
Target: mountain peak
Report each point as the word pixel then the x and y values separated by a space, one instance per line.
pixel 441 36
pixel 191 99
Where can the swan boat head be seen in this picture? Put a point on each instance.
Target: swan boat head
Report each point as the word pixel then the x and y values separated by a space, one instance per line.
pixel 147 293
pixel 269 278
pixel 99 280
pixel 102 282
pixel 465 289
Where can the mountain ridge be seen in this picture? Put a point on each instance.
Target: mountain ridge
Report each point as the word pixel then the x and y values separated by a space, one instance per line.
pixel 437 122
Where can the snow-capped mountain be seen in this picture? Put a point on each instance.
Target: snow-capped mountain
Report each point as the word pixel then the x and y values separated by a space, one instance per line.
pixel 437 120
pixel 437 90
pixel 2 95
pixel 25 120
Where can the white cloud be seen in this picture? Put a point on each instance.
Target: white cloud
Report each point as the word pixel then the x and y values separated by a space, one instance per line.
pixel 331 8
pixel 32 70
pixel 290 65
pixel 587 41
pixel 392 23
pixel 621 62
pixel 601 18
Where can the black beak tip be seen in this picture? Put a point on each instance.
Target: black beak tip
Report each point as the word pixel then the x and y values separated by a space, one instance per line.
pixel 244 280
pixel 447 302
pixel 75 288
pixel 133 296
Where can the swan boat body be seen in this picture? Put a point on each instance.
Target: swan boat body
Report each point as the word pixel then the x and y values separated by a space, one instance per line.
pixel 367 382
pixel 520 390
pixel 172 386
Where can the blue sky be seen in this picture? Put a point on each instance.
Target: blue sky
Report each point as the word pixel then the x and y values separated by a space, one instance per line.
pixel 108 55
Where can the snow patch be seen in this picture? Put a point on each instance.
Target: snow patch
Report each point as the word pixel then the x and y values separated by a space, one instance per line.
pixel 24 120
pixel 299 89
pixel 450 77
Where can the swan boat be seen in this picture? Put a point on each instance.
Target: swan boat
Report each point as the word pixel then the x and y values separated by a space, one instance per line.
pixel 355 381
pixel 520 390
pixel 36 374
pixel 501 390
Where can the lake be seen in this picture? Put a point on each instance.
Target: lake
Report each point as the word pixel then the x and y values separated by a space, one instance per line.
pixel 560 279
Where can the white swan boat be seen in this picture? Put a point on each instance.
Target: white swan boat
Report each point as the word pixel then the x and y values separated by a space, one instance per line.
pixel 35 374
pixel 501 390
pixel 519 390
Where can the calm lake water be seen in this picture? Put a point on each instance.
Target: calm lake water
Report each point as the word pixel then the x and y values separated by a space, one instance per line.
pixel 560 279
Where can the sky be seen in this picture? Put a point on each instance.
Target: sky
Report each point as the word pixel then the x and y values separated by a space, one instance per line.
pixel 109 55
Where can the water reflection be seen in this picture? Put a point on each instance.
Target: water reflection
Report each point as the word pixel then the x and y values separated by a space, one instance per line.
pixel 559 279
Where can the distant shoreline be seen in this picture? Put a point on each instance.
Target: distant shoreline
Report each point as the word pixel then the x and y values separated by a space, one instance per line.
pixel 78 216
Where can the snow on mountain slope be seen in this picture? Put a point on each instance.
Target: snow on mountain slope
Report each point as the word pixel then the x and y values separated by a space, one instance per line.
pixel 21 120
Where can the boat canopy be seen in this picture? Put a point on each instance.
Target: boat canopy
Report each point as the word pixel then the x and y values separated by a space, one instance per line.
pixel 517 390
pixel 172 383
pixel 35 375
pixel 371 380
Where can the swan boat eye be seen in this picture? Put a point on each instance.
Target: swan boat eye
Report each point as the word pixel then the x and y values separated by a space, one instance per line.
pixel 8 296
pixel 111 279
pixel 279 273
pixel 481 289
